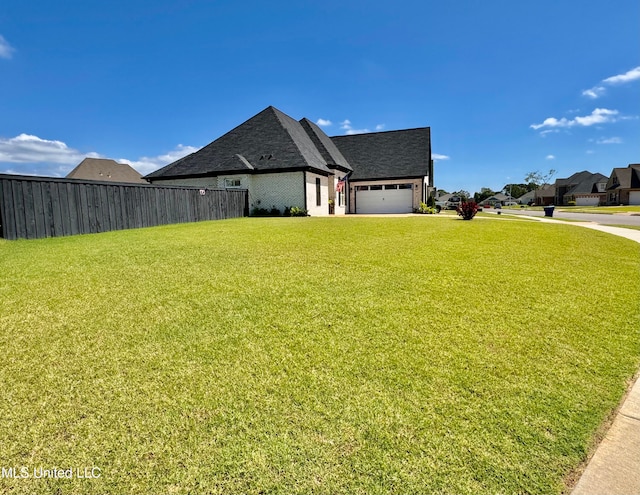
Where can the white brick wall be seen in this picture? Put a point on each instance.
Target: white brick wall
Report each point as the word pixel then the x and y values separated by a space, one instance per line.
pixel 312 204
pixel 280 190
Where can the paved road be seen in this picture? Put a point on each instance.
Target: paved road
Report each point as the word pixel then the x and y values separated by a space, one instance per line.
pixel 585 217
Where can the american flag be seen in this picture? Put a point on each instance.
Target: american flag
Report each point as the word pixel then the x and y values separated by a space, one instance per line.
pixel 341 183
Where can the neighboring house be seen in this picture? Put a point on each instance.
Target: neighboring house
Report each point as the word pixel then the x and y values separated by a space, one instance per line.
pixel 623 186
pixel 545 195
pixel 585 188
pixel 283 163
pixel 527 198
pixel 105 170
pixel 498 198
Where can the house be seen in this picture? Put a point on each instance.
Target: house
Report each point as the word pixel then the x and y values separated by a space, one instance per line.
pixel 623 186
pixel 392 171
pixel 583 188
pixel 527 198
pixel 498 198
pixel 545 195
pixel 105 170
pixel 283 163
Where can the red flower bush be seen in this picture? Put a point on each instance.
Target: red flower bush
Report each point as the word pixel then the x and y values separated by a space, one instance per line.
pixel 467 210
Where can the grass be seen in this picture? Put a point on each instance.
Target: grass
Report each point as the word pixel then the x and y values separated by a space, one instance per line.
pixel 314 355
pixel 602 209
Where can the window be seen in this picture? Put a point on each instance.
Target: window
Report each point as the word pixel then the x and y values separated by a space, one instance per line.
pixel 404 186
pixel 318 192
pixel 231 183
pixel 376 188
pixel 391 186
pixel 362 188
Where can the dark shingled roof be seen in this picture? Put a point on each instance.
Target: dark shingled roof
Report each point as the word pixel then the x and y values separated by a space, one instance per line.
pixel 107 170
pixel 269 141
pixel 628 178
pixel 580 183
pixel 387 155
pixel 326 146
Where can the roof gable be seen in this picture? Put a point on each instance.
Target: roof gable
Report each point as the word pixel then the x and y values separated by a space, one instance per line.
pixel 325 145
pixel 105 170
pixel 390 154
pixel 586 183
pixel 267 141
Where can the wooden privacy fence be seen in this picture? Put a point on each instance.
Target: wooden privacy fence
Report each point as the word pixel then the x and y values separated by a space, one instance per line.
pixel 35 207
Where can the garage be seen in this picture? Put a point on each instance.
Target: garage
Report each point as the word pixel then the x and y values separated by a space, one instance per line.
pixel 587 200
pixel 634 197
pixel 384 198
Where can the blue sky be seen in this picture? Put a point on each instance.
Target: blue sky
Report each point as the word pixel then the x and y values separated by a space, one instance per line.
pixel 507 87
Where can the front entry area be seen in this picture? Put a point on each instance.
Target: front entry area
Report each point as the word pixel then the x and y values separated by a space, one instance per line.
pixel 384 198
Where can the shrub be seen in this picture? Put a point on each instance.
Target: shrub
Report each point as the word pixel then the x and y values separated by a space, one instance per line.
pixel 298 212
pixel 467 210
pixel 425 209
pixel 571 203
pixel 263 212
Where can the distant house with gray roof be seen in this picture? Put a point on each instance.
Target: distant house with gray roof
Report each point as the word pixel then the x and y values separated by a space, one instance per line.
pixel 105 170
pixel 283 162
pixel 623 186
pixel 584 188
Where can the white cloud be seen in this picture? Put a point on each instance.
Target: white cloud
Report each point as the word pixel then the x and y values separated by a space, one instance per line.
pixel 349 130
pixel 549 131
pixel 6 50
pixel 436 157
pixel 323 122
pixel 598 91
pixel 598 116
pixel 146 165
pixel 550 157
pixel 611 140
pixel 357 131
pixel 631 75
pixel 595 92
pixel 26 148
pixel 29 149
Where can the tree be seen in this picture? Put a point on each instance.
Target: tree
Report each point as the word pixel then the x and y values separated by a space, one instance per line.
pixel 515 190
pixel 538 179
pixel 464 195
pixel 484 193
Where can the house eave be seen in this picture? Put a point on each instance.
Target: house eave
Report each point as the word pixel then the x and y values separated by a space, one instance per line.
pixel 218 173
pixel 386 179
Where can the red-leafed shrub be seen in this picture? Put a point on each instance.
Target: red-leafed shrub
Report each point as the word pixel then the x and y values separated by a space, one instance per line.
pixel 467 210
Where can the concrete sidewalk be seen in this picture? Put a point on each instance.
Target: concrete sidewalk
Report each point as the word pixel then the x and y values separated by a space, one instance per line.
pixel 614 469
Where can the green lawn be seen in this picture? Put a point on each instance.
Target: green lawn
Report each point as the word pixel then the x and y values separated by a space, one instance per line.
pixel 633 209
pixel 314 355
